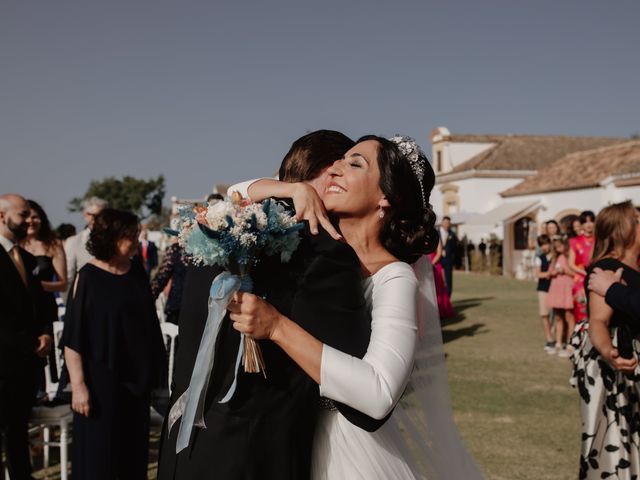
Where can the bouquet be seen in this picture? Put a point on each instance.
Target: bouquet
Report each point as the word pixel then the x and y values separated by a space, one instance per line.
pixel 233 235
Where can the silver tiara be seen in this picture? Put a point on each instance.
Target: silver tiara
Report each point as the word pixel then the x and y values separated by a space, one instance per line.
pixel 416 157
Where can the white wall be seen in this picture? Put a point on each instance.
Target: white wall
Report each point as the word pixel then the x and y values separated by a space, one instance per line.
pixel 477 195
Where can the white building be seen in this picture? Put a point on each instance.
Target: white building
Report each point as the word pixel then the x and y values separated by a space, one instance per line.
pixel 509 184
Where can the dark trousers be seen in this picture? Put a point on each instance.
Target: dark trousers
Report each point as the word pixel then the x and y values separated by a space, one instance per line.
pixel 448 276
pixel 17 395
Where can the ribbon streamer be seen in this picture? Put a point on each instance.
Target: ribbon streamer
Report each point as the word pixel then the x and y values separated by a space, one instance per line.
pixel 191 407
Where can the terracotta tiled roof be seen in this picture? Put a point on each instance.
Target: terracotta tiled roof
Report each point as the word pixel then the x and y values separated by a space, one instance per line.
pixel 525 152
pixel 583 169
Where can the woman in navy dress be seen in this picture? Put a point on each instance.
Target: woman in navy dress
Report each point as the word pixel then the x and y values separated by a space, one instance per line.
pixel 114 353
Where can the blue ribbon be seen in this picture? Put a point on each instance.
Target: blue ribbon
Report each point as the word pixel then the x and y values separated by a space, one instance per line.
pixel 190 405
pixel 222 289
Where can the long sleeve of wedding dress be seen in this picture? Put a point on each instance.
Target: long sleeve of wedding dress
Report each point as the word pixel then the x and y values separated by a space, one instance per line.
pixel 374 384
pixel 242 188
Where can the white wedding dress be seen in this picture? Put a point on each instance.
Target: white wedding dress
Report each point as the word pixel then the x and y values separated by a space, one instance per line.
pixel 372 385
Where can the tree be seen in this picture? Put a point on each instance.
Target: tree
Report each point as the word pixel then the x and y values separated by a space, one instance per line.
pixel 142 197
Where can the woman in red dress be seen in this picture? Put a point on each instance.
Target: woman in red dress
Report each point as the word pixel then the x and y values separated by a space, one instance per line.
pixel 580 252
pixel 444 302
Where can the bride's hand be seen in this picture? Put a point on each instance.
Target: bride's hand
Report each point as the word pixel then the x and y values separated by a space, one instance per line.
pixel 309 207
pixel 253 316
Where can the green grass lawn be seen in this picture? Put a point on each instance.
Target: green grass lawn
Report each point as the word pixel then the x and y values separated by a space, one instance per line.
pixel 512 401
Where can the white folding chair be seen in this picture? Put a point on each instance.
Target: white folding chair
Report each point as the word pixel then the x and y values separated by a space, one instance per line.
pixel 169 334
pixel 46 418
pixel 51 387
pixel 161 302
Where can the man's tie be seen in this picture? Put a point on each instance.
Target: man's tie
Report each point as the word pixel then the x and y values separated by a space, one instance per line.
pixel 17 260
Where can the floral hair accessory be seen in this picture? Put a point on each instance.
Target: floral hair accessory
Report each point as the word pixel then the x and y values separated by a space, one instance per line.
pixel 416 158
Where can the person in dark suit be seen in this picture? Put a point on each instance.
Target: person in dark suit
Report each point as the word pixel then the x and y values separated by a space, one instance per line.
pixel 25 334
pixel 266 430
pixel 606 283
pixel 148 251
pixel 449 249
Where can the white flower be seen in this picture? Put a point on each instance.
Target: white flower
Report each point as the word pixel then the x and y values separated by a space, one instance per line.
pixel 248 239
pixel 217 215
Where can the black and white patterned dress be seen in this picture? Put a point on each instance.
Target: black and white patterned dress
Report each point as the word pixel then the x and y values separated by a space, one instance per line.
pixel 609 400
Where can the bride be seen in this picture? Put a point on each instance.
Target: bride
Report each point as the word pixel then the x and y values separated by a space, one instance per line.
pixel 378 192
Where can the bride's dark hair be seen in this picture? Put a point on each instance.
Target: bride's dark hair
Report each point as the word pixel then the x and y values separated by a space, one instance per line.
pixel 408 227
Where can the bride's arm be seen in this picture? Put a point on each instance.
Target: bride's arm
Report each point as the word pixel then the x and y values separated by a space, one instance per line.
pixel 371 385
pixel 306 201
pixel 258 189
pixel 374 384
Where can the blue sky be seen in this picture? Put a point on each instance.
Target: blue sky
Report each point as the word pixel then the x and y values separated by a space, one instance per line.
pixel 209 92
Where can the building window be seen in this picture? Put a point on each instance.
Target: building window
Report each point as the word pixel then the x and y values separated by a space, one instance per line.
pixel 521 234
pixel 439 161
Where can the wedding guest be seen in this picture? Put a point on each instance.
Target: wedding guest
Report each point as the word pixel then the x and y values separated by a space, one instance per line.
pixel 570 225
pixel 581 249
pixel 559 297
pixel 65 230
pixel 114 353
pixel 606 363
pixel 148 251
pixel 444 302
pixel 482 248
pixel 543 262
pixel 618 296
pixel 552 228
pixel 25 335
pixel 449 248
pixel 75 247
pixel 42 243
pixel 172 270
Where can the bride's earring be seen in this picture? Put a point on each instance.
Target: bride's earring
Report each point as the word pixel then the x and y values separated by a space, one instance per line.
pixel 381 213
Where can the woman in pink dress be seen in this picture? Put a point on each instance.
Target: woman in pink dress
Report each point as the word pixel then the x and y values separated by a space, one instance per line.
pixel 444 302
pixel 581 250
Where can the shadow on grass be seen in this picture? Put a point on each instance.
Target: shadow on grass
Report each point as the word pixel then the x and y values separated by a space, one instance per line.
pixel 470 331
pixel 460 306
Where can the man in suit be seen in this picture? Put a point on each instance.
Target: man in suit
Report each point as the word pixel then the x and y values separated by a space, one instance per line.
pixel 25 335
pixel 75 247
pixel 148 251
pixel 449 248
pixel 266 430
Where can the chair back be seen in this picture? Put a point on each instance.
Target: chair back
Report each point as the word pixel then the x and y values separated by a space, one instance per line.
pixel 161 302
pixel 51 387
pixel 169 335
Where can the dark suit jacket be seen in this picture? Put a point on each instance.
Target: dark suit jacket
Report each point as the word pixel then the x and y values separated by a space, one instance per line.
pixel 152 256
pixel 450 249
pixel 22 316
pixel 625 299
pixel 266 430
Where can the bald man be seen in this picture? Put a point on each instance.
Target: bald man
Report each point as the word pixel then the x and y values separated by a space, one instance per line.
pixel 25 335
